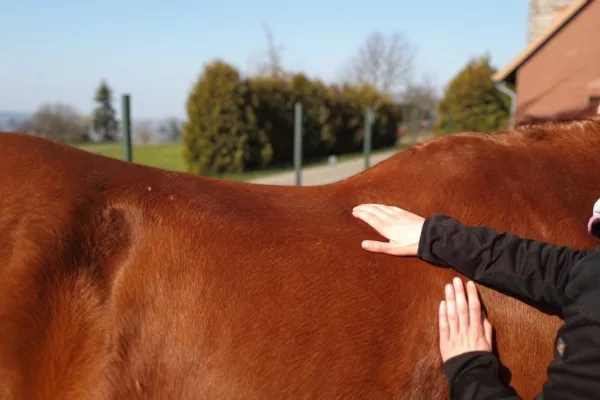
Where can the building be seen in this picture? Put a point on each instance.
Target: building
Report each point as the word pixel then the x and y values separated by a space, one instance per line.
pixel 541 15
pixel 557 75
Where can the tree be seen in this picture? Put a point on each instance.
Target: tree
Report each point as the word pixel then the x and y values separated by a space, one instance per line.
pixel 421 95
pixel 471 102
pixel 143 132
pixel 220 134
pixel 238 124
pixel 419 101
pixel 59 122
pixel 104 121
pixel 384 62
pixel 270 63
pixel 171 130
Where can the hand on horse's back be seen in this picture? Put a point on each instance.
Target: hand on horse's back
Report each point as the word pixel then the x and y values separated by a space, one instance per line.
pixel 400 227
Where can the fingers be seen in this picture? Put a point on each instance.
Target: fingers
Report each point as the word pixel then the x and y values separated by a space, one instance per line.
pixel 390 210
pixel 488 331
pixel 451 310
pixel 474 309
pixel 376 246
pixel 443 322
pixel 387 209
pixel 460 321
pixel 384 247
pixel 461 305
pixel 398 209
pixel 378 217
pixel 383 208
pixel 379 211
pixel 370 218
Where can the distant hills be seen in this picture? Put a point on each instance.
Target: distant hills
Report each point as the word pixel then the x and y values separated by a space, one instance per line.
pixel 7 116
pixel 9 119
pixel 22 116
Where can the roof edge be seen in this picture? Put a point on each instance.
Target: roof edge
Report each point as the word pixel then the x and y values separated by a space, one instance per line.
pixel 536 44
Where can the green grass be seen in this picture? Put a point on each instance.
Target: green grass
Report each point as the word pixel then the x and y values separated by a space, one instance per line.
pixel 168 156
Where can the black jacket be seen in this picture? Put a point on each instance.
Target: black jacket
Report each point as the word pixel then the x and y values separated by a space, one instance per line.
pixel 556 276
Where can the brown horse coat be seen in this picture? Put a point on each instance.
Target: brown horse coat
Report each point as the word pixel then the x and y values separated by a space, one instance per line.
pixel 120 281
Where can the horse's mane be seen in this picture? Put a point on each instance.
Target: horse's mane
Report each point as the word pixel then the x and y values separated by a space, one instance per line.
pixel 472 148
pixel 551 130
pixel 585 130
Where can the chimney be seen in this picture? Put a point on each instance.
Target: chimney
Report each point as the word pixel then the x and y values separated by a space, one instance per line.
pixel 542 13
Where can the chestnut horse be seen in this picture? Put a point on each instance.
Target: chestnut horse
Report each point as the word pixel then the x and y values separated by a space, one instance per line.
pixel 121 281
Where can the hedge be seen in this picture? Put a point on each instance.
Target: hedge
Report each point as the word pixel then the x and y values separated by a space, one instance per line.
pixel 237 124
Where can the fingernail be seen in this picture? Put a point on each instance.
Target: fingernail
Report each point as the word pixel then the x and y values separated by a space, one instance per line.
pixel 471 284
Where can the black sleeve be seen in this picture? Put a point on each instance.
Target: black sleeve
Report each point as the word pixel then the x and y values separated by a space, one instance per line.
pixel 520 267
pixel 575 369
pixel 574 373
pixel 474 376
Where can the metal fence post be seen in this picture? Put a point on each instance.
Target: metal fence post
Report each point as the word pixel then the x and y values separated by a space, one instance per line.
pixel 367 138
pixel 415 123
pixel 126 126
pixel 298 142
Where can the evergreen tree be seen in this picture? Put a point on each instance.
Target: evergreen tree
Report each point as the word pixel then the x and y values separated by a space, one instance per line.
pixel 221 133
pixel 104 121
pixel 471 102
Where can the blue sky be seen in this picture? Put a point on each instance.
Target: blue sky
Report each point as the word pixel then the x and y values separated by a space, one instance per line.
pixel 60 50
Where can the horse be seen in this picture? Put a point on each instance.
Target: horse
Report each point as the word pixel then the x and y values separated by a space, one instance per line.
pixel 123 281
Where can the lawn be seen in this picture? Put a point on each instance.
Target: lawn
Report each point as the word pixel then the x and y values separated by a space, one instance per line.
pixel 168 156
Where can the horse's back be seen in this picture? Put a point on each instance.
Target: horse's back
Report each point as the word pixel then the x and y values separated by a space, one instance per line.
pixel 124 281
pixel 129 281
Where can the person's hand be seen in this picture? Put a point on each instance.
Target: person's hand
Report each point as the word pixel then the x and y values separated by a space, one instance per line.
pixel 462 327
pixel 402 228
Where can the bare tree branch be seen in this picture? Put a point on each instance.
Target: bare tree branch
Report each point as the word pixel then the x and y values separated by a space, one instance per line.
pixel 269 61
pixel 424 94
pixel 273 53
pixel 171 130
pixel 386 63
pixel 59 122
pixel 143 132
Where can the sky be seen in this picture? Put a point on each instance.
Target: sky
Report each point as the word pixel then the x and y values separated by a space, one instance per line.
pixel 60 50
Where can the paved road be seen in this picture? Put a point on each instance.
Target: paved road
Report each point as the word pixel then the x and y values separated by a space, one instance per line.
pixel 320 175
pixel 323 174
